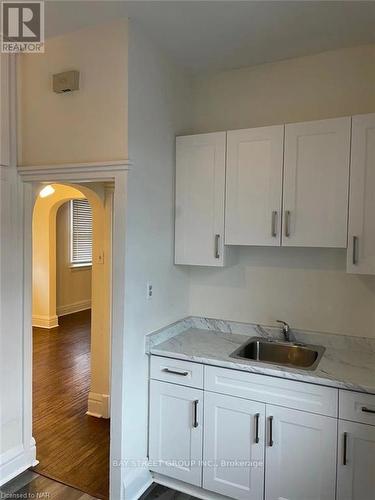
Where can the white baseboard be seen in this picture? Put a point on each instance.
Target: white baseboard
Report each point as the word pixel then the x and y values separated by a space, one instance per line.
pixel 15 461
pixel 189 489
pixel 98 405
pixel 45 321
pixel 82 305
pixel 136 483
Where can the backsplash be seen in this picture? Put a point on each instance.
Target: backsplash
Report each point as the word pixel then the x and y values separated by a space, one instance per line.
pixel 344 342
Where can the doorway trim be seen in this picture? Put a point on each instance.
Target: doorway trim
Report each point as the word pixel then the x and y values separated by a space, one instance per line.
pixel 115 172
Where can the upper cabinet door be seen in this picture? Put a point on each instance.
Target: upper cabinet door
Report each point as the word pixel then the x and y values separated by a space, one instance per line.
pixel 200 191
pixel 316 181
pixel 361 253
pixel 254 186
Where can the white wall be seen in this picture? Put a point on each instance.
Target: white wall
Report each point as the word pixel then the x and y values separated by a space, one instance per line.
pixel 159 103
pixel 307 287
pixel 73 285
pixel 17 449
pixel 82 126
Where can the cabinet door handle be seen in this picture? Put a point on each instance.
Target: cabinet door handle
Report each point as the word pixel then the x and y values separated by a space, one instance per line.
pixel 217 239
pixel 355 250
pixel 271 431
pixel 175 372
pixel 274 224
pixel 345 449
pixel 367 410
pixel 287 223
pixel 257 415
pixel 195 413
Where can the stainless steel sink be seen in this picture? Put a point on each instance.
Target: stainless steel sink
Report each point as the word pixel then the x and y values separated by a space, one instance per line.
pixel 304 357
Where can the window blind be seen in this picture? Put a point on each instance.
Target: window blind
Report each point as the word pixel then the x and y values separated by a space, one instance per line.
pixel 81 232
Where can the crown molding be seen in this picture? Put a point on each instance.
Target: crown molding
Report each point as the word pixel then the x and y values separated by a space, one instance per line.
pixel 104 170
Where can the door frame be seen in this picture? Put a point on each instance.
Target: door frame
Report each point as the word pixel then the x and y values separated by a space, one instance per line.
pixel 115 172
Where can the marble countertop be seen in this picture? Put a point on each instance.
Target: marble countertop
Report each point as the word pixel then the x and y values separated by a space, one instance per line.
pixel 341 367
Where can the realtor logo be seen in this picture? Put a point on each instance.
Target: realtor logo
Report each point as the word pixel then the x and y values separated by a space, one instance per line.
pixel 22 26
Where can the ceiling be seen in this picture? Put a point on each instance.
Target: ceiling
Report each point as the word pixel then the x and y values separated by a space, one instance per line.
pixel 204 36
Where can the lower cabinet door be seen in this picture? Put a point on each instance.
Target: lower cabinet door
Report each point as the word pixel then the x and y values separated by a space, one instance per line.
pixel 356 462
pixel 300 455
pixel 175 441
pixel 233 456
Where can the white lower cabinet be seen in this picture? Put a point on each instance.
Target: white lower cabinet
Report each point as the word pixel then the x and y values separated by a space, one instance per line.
pixel 356 462
pixel 176 431
pixel 216 437
pixel 300 455
pixel 233 449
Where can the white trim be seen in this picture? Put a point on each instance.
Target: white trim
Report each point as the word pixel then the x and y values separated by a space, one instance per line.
pixel 189 489
pixel 80 266
pixel 98 405
pixel 137 481
pixel 94 170
pixel 45 321
pixel 81 305
pixel 31 185
pixel 16 461
pixel 143 488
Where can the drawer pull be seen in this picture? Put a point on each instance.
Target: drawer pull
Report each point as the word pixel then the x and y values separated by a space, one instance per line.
pixel 257 415
pixel 217 239
pixel 345 449
pixel 287 223
pixel 271 431
pixel 195 412
pixel 175 372
pixel 355 250
pixel 367 410
pixel 274 224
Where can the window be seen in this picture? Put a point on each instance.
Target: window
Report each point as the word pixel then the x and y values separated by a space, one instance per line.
pixel 80 233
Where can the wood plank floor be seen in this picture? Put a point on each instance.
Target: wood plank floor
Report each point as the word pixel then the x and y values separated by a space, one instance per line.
pixel 31 485
pixel 71 446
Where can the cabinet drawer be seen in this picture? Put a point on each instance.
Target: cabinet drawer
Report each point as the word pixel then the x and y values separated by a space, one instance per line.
pixel 357 407
pixel 176 371
pixel 272 390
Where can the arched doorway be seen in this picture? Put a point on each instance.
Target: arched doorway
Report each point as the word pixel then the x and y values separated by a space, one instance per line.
pixel 72 353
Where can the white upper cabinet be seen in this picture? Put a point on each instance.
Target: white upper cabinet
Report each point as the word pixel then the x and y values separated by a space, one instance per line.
pixel 200 192
pixel 361 252
pixel 316 183
pixel 254 186
pixel 278 185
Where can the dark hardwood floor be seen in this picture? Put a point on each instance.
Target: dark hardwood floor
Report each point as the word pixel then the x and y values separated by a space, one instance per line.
pixel 71 446
pixel 30 485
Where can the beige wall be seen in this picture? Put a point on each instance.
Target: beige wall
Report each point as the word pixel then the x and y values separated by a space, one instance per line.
pixel 82 126
pixel 334 83
pixel 73 285
pixel 44 254
pixel 307 287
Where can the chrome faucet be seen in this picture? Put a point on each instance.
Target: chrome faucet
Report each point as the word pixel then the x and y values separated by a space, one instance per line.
pixel 285 330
